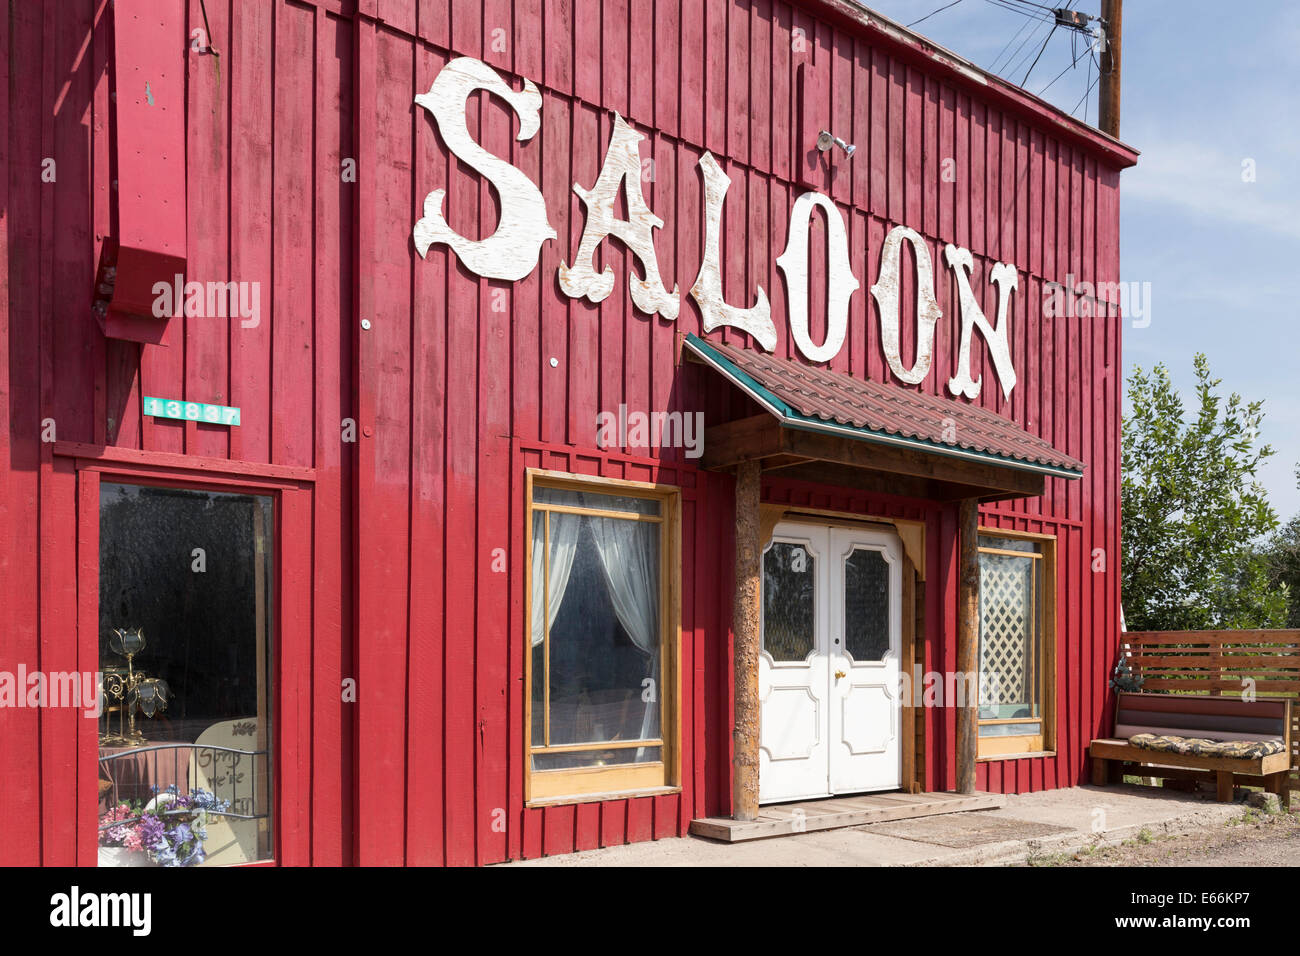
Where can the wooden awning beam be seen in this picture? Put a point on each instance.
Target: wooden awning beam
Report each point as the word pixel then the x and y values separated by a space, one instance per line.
pixel 862 463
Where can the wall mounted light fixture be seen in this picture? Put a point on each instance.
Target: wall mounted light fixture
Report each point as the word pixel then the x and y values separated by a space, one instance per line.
pixel 825 141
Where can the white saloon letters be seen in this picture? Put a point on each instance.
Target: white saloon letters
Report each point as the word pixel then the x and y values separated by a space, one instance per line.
pixel 840 285
pixel 707 290
pixel 622 165
pixel 514 249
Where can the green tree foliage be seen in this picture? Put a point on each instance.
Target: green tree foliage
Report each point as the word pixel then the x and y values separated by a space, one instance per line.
pixel 1193 512
pixel 1283 557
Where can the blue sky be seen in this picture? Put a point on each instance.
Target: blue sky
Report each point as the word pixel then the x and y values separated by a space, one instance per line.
pixel 1205 87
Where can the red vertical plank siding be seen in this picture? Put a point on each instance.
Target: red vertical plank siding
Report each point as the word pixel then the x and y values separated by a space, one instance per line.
pixel 466 28
pixel 498 30
pixel 293 598
pixel 432 17
pixel 557 35
pixel 492 611
pixel 528 46
pixel 293 238
pixel 20 799
pixel 391 544
pixel 665 28
pixel 87 734
pixel 461 735
pixel 332 568
pixel 714 105
pixel 425 745
pixel 554 337
pixel 207 227
pixel 585 325
pixel 251 121
pixel 613 45
pixel 381 557
pixel 60 726
pixel 665 193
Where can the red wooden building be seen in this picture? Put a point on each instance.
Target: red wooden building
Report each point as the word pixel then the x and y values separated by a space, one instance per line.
pixel 399 394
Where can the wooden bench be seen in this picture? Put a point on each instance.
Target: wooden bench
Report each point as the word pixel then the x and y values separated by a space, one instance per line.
pixel 1209 718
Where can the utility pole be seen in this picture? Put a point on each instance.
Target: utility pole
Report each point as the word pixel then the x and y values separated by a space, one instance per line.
pixel 1112 14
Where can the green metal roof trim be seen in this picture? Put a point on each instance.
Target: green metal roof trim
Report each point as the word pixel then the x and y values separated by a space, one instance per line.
pixel 1055 463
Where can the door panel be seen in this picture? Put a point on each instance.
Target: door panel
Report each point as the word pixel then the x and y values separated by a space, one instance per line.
pixel 865 636
pixel 829 666
pixel 792 667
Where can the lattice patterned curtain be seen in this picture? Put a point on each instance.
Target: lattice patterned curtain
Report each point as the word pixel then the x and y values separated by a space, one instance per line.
pixel 1006 632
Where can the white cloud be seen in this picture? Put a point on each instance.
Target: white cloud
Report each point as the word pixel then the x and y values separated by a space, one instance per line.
pixel 1207 183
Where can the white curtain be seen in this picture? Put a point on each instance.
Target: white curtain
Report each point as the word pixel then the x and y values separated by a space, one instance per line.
pixel 630 563
pixel 563 545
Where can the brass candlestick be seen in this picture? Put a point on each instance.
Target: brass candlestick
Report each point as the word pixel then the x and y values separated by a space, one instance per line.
pixel 135 690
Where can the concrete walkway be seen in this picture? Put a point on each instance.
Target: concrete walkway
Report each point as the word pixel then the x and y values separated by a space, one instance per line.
pixel 1054 821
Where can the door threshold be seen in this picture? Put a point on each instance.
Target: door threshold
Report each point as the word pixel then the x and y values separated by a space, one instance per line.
pixel 830 813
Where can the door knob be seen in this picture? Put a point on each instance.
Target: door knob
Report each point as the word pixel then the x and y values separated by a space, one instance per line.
pixel 839 674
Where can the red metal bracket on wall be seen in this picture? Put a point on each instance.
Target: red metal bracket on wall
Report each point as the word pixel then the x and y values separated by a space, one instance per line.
pixel 148 133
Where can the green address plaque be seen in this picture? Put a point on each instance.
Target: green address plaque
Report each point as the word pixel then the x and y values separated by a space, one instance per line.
pixel 191 411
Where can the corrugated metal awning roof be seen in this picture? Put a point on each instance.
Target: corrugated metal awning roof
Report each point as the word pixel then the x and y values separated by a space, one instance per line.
pixel 818 399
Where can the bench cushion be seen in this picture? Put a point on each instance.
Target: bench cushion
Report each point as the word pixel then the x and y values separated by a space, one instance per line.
pixel 1227 719
pixel 1240 749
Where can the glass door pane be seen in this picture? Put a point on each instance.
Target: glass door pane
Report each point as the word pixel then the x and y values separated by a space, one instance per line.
pixel 789 590
pixel 185 648
pixel 866 604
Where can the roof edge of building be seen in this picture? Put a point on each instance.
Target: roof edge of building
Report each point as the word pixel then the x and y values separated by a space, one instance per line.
pixel 791 418
pixel 962 71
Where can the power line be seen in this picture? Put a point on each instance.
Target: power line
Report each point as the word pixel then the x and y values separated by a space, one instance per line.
pixel 1015 62
pixel 994 65
pixel 1029 3
pixel 1063 72
pixel 1006 5
pixel 929 15
pixel 1086 92
pixel 1093 57
pixel 1039 57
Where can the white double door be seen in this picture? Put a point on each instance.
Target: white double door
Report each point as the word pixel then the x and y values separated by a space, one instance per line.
pixel 829 668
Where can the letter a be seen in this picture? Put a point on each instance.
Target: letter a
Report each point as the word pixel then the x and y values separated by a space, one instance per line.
pixel 622 165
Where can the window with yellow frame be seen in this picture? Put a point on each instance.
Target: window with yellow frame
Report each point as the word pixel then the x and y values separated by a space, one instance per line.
pixel 1017 637
pixel 601 664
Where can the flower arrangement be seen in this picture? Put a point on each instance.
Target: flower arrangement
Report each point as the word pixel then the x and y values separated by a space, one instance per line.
pixel 169 829
pixel 1123 677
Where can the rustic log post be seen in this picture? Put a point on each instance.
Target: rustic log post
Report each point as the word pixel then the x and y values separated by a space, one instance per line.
pixel 745 631
pixel 968 637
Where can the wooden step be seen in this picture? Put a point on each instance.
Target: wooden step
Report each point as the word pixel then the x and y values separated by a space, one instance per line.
pixel 786 819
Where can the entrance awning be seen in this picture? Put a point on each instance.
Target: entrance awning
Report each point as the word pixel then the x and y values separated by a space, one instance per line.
pixel 826 426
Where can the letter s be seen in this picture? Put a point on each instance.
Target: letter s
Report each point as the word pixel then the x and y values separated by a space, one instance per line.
pixel 512 251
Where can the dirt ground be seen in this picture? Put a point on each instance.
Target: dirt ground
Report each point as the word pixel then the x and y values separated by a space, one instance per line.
pixel 1253 838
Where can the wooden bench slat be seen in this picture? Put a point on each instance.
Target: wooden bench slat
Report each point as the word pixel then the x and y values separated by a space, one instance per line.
pixel 1192 704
